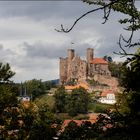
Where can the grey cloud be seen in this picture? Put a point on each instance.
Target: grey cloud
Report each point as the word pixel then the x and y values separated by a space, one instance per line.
pixel 109 46
pixel 42 9
pixel 1 47
pixel 33 64
pixel 46 50
pixel 51 51
pixel 6 54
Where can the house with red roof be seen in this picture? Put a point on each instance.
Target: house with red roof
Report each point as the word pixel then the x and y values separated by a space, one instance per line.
pixel 93 118
pixel 99 66
pixel 99 61
pixel 107 97
pixel 83 85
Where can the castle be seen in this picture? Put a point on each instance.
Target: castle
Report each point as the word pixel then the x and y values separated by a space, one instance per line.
pixel 74 68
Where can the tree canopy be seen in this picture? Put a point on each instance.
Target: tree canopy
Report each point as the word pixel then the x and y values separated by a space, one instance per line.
pixel 77 102
pixel 35 88
pixel 60 100
pixel 5 72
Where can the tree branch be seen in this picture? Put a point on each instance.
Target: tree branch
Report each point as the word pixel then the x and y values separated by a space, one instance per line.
pixel 106 14
pixel 94 10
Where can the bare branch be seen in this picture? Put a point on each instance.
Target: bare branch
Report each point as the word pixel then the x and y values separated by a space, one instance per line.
pixel 128 42
pixel 123 53
pixel 94 10
pixel 106 14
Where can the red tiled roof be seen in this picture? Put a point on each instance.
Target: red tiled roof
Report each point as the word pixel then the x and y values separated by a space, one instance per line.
pixel 104 93
pixel 85 86
pixel 79 122
pixel 66 122
pixel 93 119
pixel 99 61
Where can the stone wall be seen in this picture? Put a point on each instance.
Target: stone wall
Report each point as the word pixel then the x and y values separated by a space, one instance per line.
pixel 99 69
pixel 63 70
pixel 77 69
pixel 112 82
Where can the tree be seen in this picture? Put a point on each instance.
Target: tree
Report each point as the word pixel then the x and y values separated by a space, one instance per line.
pixel 44 126
pixel 108 58
pixel 74 103
pixel 5 73
pixel 71 132
pixel 7 97
pixel 60 100
pixel 49 85
pixel 77 102
pixel 131 73
pixel 8 102
pixel 130 81
pixel 116 70
pixel 35 88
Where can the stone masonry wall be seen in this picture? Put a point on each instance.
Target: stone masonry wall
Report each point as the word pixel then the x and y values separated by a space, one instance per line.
pixel 112 82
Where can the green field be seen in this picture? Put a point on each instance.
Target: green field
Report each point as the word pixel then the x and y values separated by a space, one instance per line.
pixel 45 99
pixel 98 107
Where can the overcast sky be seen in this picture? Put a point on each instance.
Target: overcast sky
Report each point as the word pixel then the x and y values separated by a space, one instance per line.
pixel 30 44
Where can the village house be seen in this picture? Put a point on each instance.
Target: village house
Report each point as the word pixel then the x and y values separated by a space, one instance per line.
pixel 83 85
pixel 23 97
pixel 93 118
pixel 107 97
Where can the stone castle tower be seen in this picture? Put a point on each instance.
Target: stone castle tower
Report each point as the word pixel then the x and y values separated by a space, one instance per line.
pixel 74 68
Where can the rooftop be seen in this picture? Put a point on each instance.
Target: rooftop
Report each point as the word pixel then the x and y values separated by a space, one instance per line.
pixel 105 92
pixel 99 61
pixel 85 86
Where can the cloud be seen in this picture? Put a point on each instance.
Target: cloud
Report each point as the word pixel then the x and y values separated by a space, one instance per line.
pixel 43 50
pixel 34 68
pixel 40 10
pixel 32 46
pixel 5 54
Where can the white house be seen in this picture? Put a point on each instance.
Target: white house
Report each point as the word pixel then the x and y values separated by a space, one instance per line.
pixel 107 97
pixel 23 94
pixel 24 98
